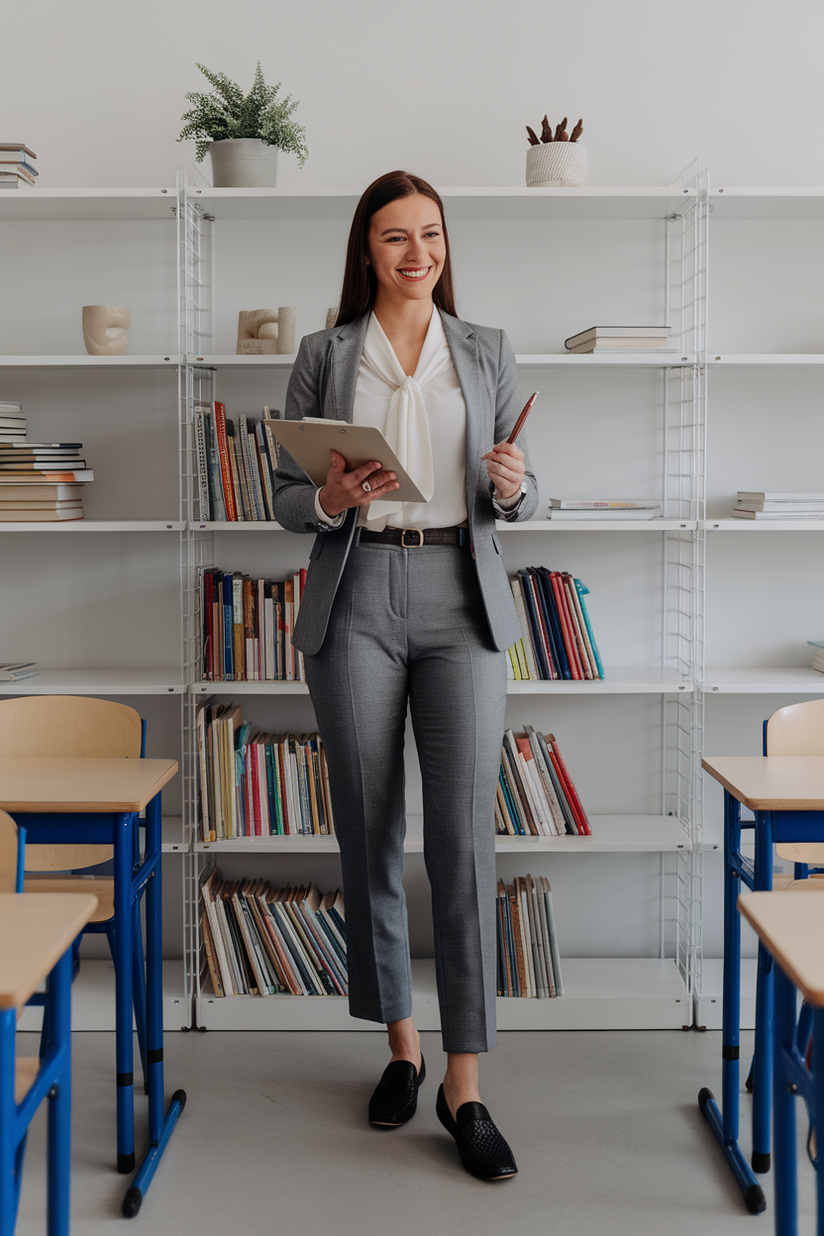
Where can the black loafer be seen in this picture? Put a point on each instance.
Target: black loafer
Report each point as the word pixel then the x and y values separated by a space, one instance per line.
pixel 395 1098
pixel 483 1149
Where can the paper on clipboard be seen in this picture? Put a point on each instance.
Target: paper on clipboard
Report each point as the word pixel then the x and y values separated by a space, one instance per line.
pixel 309 442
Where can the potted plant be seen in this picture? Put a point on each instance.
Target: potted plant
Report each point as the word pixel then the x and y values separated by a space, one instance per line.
pixel 243 132
pixel 556 159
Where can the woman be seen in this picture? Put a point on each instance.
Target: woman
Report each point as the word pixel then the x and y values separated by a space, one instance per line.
pixel 410 603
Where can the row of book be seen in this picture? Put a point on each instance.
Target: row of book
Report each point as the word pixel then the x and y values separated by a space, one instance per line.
pixel 16 671
pixel 752 505
pixel 16 165
pixel 818 655
pixel 264 941
pixel 529 962
pixel 39 481
pixel 588 509
pixel 247 627
pixel 613 339
pixel 254 784
pixel 558 641
pixel 536 796
pixel 236 460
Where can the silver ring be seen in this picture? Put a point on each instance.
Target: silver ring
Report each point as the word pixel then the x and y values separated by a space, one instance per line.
pixel 366 487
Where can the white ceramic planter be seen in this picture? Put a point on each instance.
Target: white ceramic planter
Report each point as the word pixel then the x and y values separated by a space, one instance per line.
pixel 556 163
pixel 244 163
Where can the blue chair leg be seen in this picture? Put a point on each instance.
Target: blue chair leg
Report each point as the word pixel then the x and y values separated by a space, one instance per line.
pixel 139 986
pixel 60 1100
pixel 11 1152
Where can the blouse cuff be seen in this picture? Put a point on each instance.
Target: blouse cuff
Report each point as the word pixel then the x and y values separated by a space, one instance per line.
pixel 507 506
pixel 326 521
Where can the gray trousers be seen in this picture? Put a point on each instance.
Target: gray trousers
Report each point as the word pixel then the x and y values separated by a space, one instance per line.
pixel 409 625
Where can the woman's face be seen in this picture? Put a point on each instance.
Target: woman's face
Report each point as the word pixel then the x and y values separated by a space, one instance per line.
pixel 407 248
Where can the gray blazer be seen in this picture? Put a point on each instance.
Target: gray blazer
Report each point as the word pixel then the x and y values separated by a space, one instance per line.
pixel 323 383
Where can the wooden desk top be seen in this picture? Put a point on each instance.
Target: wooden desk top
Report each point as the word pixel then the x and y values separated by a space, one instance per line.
pixel 791 926
pixel 47 784
pixel 771 782
pixel 35 931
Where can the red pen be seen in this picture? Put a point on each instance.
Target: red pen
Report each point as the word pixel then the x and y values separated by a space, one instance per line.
pixel 519 424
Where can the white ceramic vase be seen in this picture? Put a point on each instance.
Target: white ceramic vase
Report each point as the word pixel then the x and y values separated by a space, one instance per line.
pixel 244 163
pixel 556 163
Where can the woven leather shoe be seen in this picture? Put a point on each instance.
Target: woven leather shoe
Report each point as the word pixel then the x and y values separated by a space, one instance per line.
pixel 483 1149
pixel 395 1098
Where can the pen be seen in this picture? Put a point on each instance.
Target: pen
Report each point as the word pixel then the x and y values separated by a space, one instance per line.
pixel 520 421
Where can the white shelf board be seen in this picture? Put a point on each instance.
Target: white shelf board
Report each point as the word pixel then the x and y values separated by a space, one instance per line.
pixel 465 202
pixel 781 359
pixel 93 1004
pixel 249 688
pixel 599 525
pixel 600 994
pixel 601 360
pixel 90 362
pixel 241 525
pixel 619 681
pixel 612 834
pixel 762 680
pixel 40 203
pixel 805 202
pixel 762 525
pixel 98 682
pixel 709 1000
pixel 172 834
pixel 229 361
pixel 95 525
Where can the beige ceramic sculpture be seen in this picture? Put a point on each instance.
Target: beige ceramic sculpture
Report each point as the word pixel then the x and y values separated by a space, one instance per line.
pixel 104 329
pixel 266 332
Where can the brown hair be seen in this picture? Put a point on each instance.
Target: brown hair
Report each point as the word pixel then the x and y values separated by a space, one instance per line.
pixel 359 282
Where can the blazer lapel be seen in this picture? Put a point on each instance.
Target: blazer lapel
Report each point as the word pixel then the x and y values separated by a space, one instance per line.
pixel 463 345
pixel 347 346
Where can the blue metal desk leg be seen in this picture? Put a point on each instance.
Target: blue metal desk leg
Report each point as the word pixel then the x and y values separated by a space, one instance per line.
pixel 725 1127
pixel 763 1058
pixel 60 1099
pixel 786 1168
pixel 10 1154
pixel 160 1129
pixel 124 1047
pixel 818 1094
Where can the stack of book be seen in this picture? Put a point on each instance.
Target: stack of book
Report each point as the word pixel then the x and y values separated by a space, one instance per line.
pixel 750 505
pixel 818 655
pixel 236 460
pixel 557 635
pixel 39 481
pixel 529 963
pixel 15 167
pixel 612 339
pixel 253 784
pixel 604 508
pixel 247 627
pixel 536 796
pixel 265 941
pixel 14 671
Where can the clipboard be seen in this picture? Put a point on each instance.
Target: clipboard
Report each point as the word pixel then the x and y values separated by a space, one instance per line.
pixel 309 442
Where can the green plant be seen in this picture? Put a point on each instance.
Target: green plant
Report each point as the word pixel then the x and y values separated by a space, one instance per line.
pixel 228 112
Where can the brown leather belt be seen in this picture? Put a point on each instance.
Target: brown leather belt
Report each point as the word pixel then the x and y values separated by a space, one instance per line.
pixel 415 538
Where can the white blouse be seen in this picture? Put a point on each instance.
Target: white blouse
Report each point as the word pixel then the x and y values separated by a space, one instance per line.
pixel 423 417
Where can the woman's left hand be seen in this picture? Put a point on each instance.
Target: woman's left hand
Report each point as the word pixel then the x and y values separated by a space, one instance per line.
pixel 505 465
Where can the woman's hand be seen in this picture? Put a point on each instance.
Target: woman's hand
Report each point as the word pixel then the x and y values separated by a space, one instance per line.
pixel 505 465
pixel 357 488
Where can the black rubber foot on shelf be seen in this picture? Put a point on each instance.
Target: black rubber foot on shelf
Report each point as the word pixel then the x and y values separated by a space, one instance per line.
pixel 125 1163
pixel 760 1162
pixel 704 1097
pixel 755 1199
pixel 179 1096
pixel 203 1029
pixel 132 1202
pixel 185 1029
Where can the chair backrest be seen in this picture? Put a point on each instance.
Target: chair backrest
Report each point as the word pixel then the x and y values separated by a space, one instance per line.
pixel 797 729
pixel 8 853
pixel 68 726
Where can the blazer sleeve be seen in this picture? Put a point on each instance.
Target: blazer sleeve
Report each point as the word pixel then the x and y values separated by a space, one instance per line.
pixel 294 492
pixel 507 411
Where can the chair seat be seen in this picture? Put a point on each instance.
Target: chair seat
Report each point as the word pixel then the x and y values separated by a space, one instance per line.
pixel 102 889
pixel 27 1067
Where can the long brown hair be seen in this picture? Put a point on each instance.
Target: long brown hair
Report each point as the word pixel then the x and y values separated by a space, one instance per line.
pixel 359 282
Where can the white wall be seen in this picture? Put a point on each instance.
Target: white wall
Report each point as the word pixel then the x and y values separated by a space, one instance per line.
pixel 444 89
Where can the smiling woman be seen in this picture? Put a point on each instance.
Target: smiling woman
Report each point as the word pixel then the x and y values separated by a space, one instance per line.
pixel 408 604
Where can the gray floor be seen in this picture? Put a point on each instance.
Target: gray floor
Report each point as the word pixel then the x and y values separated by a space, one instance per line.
pixel 604 1125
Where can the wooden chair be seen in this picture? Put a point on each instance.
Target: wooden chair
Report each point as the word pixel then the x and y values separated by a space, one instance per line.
pixel 797 729
pixel 77 727
pixel 12 841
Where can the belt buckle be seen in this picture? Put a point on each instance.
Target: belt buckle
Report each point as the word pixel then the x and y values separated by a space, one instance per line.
pixel 408 544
